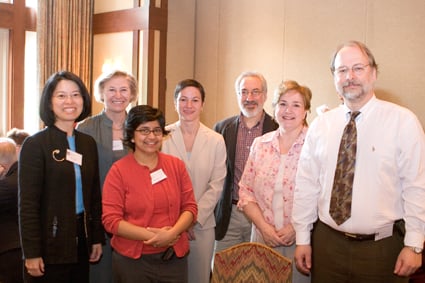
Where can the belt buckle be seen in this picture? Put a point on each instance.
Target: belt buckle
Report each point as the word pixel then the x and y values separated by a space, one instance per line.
pixel 351 236
pixel 355 237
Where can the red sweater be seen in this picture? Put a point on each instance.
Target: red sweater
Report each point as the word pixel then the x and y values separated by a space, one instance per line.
pixel 128 194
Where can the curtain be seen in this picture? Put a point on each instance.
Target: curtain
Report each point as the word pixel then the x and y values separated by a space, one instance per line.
pixel 65 38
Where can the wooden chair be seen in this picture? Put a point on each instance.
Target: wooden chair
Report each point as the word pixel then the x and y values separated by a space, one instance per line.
pixel 251 263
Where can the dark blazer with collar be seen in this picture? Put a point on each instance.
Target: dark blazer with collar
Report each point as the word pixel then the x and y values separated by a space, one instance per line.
pixel 47 196
pixel 229 129
pixel 9 236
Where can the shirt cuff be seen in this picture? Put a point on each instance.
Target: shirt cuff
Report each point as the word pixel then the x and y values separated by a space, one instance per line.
pixel 414 239
pixel 303 238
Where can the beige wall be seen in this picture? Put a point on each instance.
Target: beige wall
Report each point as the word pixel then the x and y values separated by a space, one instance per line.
pixel 213 41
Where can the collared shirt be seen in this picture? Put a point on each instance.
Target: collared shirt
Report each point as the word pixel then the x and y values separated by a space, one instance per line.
pixel 261 175
pixel 79 203
pixel 389 179
pixel 243 143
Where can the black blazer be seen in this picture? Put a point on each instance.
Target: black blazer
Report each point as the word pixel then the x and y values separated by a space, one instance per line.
pixel 9 236
pixel 229 129
pixel 47 196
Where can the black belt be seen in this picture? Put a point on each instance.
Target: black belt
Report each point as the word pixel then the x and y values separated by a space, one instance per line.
pixel 358 237
pixel 235 201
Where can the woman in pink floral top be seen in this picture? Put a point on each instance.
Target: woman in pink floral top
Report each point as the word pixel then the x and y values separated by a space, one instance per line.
pixel 268 181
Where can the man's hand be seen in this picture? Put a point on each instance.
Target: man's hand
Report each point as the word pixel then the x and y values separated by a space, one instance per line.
pixel 407 262
pixel 303 258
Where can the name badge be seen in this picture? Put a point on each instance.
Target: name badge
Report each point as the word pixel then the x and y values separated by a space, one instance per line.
pixel 384 232
pixel 158 176
pixel 117 145
pixel 74 157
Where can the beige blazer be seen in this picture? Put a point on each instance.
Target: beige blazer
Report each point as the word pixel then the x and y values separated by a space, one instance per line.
pixel 206 165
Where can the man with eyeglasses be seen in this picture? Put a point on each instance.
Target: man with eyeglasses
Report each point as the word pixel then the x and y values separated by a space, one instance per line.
pixel 381 236
pixel 232 226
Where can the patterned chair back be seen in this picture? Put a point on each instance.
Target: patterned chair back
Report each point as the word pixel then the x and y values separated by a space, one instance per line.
pixel 251 263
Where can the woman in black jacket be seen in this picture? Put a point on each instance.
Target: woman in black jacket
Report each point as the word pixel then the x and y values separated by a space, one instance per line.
pixel 59 191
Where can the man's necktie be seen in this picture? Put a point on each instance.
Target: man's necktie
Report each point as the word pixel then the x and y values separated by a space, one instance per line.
pixel 340 207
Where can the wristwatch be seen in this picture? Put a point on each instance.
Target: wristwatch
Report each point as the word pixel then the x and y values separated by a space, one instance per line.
pixel 416 250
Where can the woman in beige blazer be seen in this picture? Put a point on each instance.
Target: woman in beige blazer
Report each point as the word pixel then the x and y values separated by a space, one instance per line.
pixel 204 153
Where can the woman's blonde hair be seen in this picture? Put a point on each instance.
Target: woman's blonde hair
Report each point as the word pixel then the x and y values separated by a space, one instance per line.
pixel 99 85
pixel 290 85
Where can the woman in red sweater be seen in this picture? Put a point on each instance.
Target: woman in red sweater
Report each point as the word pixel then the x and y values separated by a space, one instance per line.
pixel 148 204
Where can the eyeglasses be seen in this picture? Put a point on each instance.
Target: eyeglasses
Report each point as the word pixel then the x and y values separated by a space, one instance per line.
pixel 255 92
pixel 63 96
pixel 357 69
pixel 147 131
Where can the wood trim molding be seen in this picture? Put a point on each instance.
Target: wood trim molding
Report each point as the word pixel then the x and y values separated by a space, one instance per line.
pixel 139 18
pixel 7 16
pixel 149 19
pixel 18 19
pixel 119 21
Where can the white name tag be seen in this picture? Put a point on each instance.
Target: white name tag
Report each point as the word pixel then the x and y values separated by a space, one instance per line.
pixel 384 232
pixel 74 157
pixel 117 145
pixel 158 176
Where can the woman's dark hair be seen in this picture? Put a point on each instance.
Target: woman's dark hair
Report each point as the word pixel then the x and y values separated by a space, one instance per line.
pixel 186 83
pixel 46 110
pixel 138 115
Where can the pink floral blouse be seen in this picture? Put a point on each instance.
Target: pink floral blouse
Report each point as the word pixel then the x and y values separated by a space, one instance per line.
pixel 258 180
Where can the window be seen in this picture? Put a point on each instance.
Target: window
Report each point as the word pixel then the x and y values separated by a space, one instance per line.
pixel 31 88
pixel 4 62
pixel 17 25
